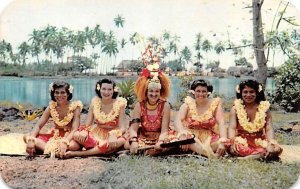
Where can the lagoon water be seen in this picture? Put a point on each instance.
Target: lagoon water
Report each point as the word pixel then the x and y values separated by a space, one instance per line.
pixel 35 90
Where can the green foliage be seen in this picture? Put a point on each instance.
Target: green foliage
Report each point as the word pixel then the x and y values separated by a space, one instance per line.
pixel 175 65
pixel 214 66
pixel 287 86
pixel 185 82
pixel 242 62
pixel 127 92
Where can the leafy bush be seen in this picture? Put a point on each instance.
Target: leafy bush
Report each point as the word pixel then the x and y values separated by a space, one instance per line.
pixel 126 91
pixel 287 86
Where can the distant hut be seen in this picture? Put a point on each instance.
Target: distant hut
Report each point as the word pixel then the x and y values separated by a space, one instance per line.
pixel 128 67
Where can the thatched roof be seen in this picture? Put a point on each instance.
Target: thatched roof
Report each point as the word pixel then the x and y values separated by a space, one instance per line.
pixel 126 64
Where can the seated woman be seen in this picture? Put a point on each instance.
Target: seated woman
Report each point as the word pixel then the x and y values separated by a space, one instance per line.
pixel 250 124
pixel 65 116
pixel 203 117
pixel 108 111
pixel 151 115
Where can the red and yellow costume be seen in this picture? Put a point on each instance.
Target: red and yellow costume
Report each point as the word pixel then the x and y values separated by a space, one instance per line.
pixel 106 124
pixel 203 126
pixel 62 126
pixel 251 137
pixel 150 127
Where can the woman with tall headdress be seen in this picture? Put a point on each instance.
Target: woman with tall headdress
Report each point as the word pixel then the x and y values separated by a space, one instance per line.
pixel 151 115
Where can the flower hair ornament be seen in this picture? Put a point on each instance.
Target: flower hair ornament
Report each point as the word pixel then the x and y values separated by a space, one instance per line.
pixel 50 87
pixel 237 88
pixel 116 89
pixel 151 58
pixel 260 88
pixel 71 88
pixel 98 87
pixel 151 55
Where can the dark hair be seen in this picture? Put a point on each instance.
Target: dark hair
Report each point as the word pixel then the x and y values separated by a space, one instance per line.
pixel 60 84
pixel 203 83
pixel 108 81
pixel 253 84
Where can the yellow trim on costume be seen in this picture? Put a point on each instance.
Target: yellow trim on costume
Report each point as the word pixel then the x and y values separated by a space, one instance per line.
pixel 208 114
pixel 68 118
pixel 260 116
pixel 260 142
pixel 241 140
pixel 101 116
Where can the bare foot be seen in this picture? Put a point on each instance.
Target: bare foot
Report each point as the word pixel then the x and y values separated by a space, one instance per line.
pixel 256 156
pixel 70 154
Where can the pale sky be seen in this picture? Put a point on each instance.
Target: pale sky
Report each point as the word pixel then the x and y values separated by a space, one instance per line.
pixel 184 18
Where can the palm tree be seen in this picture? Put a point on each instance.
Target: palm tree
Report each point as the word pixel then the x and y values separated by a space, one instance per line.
pixel 119 21
pixel 24 49
pixel 186 55
pixel 36 39
pixel 110 47
pixel 49 35
pixel 165 45
pixel 5 50
pixel 206 46
pixel 219 48
pixel 198 48
pixel 173 47
pixel 99 37
pixel 61 43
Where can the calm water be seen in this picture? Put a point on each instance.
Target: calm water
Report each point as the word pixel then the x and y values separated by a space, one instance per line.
pixel 35 91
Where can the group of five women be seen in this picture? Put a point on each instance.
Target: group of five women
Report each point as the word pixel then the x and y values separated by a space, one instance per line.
pixel 108 129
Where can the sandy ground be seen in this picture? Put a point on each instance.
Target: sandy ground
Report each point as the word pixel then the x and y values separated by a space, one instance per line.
pixel 41 172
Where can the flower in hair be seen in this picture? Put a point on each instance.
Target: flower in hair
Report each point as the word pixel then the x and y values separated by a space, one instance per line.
pixel 237 89
pixel 116 89
pixel 71 89
pixel 191 91
pixel 50 87
pixel 98 87
pixel 151 55
pixel 145 73
pixel 259 88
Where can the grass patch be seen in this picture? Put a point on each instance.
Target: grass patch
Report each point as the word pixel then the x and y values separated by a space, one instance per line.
pixel 148 172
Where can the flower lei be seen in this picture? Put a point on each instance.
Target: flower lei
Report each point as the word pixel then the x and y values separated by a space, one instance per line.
pixel 241 140
pixel 259 121
pixel 101 116
pixel 66 120
pixel 207 114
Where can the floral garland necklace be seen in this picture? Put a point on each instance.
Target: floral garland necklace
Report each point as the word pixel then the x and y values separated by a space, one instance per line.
pixel 67 119
pixel 100 116
pixel 260 116
pixel 206 115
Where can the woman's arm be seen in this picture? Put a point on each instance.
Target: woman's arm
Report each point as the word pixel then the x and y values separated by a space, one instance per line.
pixel 90 118
pixel 180 117
pixel 232 124
pixel 41 122
pixel 269 129
pixel 165 121
pixel 219 115
pixel 133 128
pixel 136 116
pixel 122 120
pixel 75 123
